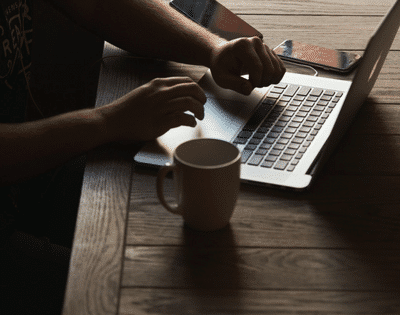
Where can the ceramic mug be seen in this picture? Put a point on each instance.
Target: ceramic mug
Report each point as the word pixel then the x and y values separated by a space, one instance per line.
pixel 207 181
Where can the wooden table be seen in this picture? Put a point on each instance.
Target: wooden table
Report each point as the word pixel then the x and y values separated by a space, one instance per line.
pixel 333 250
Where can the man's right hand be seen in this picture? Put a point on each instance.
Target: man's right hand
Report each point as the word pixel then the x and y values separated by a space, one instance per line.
pixel 152 109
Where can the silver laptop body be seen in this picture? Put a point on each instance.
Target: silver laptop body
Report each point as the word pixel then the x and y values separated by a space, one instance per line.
pixel 233 117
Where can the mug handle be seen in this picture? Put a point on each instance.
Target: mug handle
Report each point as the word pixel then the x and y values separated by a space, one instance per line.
pixel 160 189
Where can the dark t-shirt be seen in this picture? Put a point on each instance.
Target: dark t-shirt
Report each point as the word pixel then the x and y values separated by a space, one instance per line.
pixel 15 63
pixel 15 58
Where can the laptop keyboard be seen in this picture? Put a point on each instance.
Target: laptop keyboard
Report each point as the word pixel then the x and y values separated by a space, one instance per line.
pixel 284 125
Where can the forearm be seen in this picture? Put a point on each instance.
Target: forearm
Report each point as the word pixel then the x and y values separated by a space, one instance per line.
pixel 28 149
pixel 162 32
pixel 159 32
pixel 145 113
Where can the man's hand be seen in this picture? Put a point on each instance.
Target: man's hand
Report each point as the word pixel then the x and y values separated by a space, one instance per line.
pixel 152 109
pixel 250 56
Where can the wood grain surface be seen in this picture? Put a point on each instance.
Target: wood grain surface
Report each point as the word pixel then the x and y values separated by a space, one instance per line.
pixel 334 249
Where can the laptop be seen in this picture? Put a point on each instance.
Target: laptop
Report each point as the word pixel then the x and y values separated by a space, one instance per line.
pixel 286 131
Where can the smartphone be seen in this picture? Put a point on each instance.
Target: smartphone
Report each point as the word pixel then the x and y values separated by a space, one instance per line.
pixel 216 18
pixel 316 56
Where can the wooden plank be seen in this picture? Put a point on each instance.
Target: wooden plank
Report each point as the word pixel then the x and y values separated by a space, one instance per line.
pixel 367 155
pixel 339 32
pixel 391 68
pixel 312 7
pixel 338 212
pixel 386 91
pixel 93 282
pixel 188 267
pixel 377 119
pixel 95 267
pixel 389 72
pixel 174 301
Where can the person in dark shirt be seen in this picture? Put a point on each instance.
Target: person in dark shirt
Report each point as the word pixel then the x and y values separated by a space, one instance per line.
pixel 144 27
pixel 148 28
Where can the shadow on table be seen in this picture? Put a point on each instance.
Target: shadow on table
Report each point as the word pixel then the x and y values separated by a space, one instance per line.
pixel 350 217
pixel 212 267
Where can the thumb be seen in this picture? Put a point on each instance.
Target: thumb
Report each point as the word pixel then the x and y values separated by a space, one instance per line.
pixel 236 83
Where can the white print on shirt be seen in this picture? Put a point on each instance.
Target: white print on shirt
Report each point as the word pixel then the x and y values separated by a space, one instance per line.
pixel 15 39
